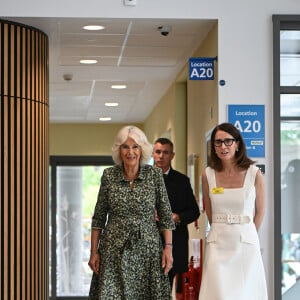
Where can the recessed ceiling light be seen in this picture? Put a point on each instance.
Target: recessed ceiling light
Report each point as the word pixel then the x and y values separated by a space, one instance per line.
pixel 93 27
pixel 88 61
pixel 104 119
pixel 111 104
pixel 118 86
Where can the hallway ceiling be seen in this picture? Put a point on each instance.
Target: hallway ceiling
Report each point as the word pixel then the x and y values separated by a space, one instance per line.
pixel 130 52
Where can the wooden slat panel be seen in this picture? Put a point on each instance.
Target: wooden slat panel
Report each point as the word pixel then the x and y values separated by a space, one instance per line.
pixel 24 162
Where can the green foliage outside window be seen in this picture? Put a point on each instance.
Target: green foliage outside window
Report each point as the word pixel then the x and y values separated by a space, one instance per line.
pixel 290 137
pixel 91 183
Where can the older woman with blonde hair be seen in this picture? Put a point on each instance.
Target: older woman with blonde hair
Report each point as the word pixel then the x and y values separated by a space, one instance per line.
pixel 127 256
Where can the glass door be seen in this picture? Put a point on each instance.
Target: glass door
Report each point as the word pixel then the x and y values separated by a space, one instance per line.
pixel 290 158
pixel 75 187
pixel 290 201
pixel 286 148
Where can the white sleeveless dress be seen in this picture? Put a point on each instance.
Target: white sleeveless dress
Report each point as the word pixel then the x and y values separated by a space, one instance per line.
pixel 233 267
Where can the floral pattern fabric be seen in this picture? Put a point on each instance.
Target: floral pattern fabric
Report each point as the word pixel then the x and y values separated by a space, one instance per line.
pixel 130 246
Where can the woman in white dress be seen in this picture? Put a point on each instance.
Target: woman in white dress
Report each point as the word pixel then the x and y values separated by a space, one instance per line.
pixel 234 197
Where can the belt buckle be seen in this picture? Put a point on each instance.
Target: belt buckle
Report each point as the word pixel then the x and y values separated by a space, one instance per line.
pixel 229 219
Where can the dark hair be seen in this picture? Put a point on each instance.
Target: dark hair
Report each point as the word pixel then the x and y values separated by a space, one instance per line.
pixel 165 141
pixel 242 160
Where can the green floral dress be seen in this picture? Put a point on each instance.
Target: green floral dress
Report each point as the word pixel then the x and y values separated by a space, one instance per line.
pixel 130 245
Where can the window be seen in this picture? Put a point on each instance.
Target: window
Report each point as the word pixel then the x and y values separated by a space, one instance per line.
pixel 287 155
pixel 74 187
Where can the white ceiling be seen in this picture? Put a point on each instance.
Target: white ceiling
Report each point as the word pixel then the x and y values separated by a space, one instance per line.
pixel 131 52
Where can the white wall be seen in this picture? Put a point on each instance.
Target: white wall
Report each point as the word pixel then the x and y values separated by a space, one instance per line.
pixel 245 56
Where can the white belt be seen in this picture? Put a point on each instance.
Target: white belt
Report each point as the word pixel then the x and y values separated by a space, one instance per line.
pixel 230 219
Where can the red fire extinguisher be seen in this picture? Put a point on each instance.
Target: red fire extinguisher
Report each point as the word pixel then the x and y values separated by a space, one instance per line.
pixel 190 283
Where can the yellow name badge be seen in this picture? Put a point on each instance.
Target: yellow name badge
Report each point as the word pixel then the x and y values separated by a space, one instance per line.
pixel 218 190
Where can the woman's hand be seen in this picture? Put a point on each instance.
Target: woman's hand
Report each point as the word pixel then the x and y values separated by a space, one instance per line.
pixel 94 262
pixel 167 259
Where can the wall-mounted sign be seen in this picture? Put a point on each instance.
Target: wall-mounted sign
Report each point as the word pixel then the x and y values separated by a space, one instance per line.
pixel 201 68
pixel 250 121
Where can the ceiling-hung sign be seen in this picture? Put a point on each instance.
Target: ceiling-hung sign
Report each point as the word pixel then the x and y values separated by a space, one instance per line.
pixel 250 121
pixel 201 68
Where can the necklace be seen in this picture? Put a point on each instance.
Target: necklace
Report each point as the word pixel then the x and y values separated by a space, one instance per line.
pixel 130 178
pixel 131 181
pixel 133 175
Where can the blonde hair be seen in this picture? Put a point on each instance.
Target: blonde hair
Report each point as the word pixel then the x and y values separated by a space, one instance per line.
pixel 139 137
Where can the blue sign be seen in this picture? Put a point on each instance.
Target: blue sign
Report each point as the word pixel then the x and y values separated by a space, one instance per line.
pixel 201 68
pixel 250 121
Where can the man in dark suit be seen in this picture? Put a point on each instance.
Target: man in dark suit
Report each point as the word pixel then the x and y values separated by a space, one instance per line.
pixel 183 204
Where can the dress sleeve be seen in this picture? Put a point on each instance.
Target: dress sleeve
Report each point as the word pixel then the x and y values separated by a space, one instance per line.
pixel 101 208
pixel 163 207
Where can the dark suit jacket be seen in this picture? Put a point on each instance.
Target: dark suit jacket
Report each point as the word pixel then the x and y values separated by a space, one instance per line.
pixel 183 203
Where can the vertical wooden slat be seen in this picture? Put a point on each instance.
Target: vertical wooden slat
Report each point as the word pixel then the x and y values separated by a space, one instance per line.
pixel 39 136
pixel 18 202
pixel 12 168
pixel 5 179
pixel 9 233
pixel 30 140
pixel 5 206
pixel 18 163
pixel 1 172
pixel 1 167
pixel 12 212
pixel 24 205
pixel 36 179
pixel 4 63
pixel 30 196
pixel 26 145
pixel 24 47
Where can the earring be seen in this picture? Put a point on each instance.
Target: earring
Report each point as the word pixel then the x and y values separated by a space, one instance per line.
pixel 237 150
